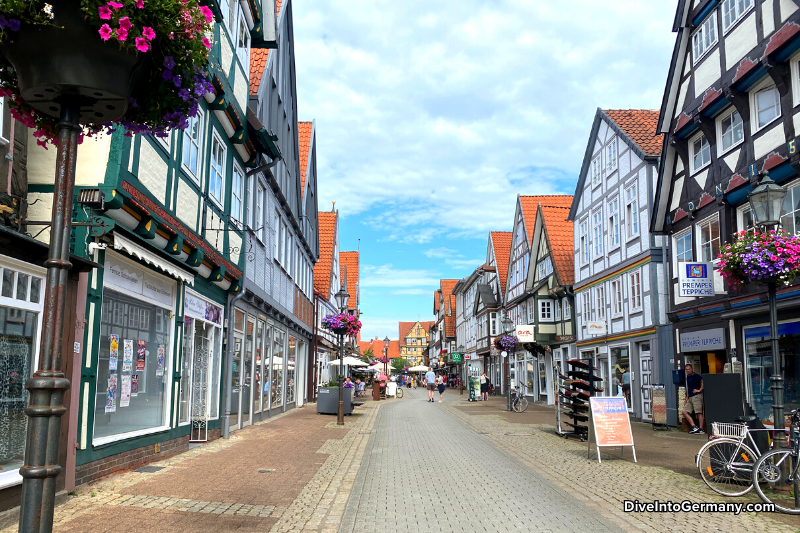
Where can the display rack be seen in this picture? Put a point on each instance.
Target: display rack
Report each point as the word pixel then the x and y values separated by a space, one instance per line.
pixel 574 391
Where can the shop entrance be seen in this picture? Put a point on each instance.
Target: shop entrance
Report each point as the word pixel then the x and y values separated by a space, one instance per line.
pixel 646 378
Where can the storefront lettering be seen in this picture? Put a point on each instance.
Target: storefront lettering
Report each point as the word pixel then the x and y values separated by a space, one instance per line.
pixel 713 339
pixel 695 280
pixel 123 277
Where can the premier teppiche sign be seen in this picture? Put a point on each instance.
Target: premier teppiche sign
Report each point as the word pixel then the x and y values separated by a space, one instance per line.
pixel 695 279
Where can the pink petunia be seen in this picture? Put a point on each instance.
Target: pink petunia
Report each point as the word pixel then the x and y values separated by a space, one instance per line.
pixel 125 23
pixel 207 13
pixel 140 4
pixel 122 34
pixel 105 32
pixel 104 12
pixel 114 5
pixel 148 33
pixel 142 45
pixel 206 42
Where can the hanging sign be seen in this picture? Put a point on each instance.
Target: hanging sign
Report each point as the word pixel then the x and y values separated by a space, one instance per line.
pixel 525 333
pixel 157 289
pixel 695 280
pixel 596 327
pixel 612 424
pixel 198 308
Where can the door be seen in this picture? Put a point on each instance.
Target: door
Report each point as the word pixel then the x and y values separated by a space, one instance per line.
pixel 236 382
pixel 203 340
pixel 645 380
pixel 247 373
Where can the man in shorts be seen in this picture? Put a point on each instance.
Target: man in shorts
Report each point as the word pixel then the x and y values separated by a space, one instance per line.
pixel 694 399
pixel 430 380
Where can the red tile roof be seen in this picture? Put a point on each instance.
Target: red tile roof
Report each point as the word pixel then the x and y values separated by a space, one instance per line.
pixel 327 237
pixel 350 260
pixel 562 245
pixel 427 326
pixel 531 203
pixel 403 328
pixel 446 289
pixel 377 348
pixel 501 245
pixel 640 126
pixel 450 320
pixel 304 138
pixel 258 62
pixel 436 301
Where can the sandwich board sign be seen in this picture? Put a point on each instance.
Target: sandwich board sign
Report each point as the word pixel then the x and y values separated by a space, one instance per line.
pixel 611 423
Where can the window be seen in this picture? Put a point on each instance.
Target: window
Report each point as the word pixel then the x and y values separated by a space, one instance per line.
pixel 243 43
pixel 567 309
pixel 236 195
pixel 790 221
pixel 587 306
pixel 191 145
pixel 632 210
pixel 557 307
pixel 216 174
pixel 708 231
pixel 545 268
pixel 546 310
pixel 493 323
pixel 730 130
pixel 600 301
pixel 611 157
pixel 596 171
pixel 683 248
pixel 767 103
pixel 259 229
pixel 704 38
pixel 616 297
pixel 635 290
pixel 745 218
pixel 733 11
pixel 584 240
pixel 597 230
pixel 701 153
pixel 613 223
pixel 251 202
pixel 279 236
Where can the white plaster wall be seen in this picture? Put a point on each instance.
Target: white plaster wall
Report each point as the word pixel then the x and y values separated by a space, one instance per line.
pixel 240 87
pixel 226 52
pixel 767 17
pixel 153 171
pixel 186 205
pixel 769 139
pixel 787 8
pixel 676 193
pixel 707 72
pixel 682 96
pixel 90 167
pixel 741 40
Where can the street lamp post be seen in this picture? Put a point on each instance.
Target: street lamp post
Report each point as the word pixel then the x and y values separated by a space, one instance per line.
pixel 341 299
pixel 460 350
pixel 386 357
pixel 766 203
pixel 508 326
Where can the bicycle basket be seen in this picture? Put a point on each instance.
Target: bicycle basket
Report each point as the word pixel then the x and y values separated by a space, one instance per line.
pixel 726 429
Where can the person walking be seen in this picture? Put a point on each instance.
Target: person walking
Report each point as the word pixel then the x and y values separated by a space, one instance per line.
pixel 485 384
pixel 694 399
pixel 430 381
pixel 440 385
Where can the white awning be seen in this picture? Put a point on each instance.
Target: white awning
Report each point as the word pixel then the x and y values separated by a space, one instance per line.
pixel 131 248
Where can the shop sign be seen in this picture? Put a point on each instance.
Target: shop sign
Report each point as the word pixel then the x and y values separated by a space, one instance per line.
pixel 565 338
pixel 695 279
pixel 198 308
pixel 699 341
pixel 455 358
pixel 611 422
pixel 123 276
pixel 155 289
pixel 525 333
pixel 596 327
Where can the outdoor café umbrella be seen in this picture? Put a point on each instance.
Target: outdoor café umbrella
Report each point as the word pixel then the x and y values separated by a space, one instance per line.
pixel 349 361
pixel 419 368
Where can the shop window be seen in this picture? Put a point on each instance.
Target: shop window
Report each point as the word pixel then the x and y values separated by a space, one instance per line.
pixel 708 233
pixel 758 348
pixel 277 375
pixel 621 372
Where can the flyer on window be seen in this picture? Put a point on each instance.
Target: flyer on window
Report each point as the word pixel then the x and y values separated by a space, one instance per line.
pixel 111 394
pixel 113 352
pixel 127 356
pixel 160 361
pixel 125 391
pixel 135 385
pixel 141 354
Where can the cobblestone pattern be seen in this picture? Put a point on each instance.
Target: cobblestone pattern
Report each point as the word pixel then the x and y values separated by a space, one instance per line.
pixel 603 487
pixel 426 469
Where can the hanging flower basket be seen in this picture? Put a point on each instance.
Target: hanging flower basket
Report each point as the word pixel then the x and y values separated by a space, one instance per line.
pixel 342 324
pixel 140 64
pixel 506 343
pixel 759 257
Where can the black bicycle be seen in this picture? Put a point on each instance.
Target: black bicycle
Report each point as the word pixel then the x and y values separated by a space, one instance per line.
pixel 519 403
pixel 775 474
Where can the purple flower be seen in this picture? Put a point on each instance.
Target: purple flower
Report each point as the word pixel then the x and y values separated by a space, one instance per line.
pixel 133 103
pixel 3 22
pixel 184 94
pixel 167 74
pixel 13 24
pixel 177 81
pixel 169 63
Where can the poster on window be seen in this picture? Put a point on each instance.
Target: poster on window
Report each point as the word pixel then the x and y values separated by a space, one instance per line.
pixel 135 385
pixel 141 355
pixel 113 352
pixel 125 391
pixel 127 355
pixel 111 394
pixel 160 361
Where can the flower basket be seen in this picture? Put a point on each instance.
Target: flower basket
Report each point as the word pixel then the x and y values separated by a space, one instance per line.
pixel 342 324
pixel 135 63
pixel 760 257
pixel 506 343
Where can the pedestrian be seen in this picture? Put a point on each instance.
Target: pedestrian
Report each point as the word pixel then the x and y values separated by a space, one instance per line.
pixel 694 399
pixel 430 381
pixel 485 384
pixel 440 384
pixel 626 385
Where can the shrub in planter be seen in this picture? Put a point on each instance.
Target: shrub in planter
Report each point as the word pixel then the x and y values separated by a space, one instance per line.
pixel 140 64
pixel 760 256
pixel 342 324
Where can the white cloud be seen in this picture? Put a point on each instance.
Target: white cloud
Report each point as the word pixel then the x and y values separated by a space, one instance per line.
pixel 388 276
pixel 440 253
pixel 470 264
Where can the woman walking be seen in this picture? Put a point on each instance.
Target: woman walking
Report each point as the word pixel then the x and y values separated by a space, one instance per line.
pixel 440 384
pixel 485 384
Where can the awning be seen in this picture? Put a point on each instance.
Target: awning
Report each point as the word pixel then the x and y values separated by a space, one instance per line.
pixel 131 248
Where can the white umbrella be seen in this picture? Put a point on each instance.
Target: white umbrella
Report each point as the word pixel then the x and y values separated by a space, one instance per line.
pixel 349 361
pixel 419 368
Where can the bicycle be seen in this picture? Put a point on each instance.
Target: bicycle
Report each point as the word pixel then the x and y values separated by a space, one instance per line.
pixel 726 461
pixel 775 475
pixel 519 403
pixel 399 393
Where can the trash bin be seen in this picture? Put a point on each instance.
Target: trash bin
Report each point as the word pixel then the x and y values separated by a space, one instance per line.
pixel 760 437
pixel 376 391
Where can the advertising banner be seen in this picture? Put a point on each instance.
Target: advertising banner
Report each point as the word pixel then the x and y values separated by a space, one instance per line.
pixel 611 422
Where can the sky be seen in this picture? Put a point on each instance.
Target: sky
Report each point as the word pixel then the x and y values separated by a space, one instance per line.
pixel 432 116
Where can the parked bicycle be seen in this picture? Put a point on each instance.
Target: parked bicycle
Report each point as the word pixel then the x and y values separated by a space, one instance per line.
pixel 399 392
pixel 519 403
pixel 775 474
pixel 726 461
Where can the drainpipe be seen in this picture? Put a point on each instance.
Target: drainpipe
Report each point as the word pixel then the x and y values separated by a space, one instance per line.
pixel 228 379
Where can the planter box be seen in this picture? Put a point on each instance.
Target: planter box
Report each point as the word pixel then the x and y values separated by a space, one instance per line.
pixel 328 400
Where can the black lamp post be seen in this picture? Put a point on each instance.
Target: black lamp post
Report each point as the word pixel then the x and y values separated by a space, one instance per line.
pixel 386 356
pixel 766 203
pixel 460 351
pixel 508 327
pixel 341 300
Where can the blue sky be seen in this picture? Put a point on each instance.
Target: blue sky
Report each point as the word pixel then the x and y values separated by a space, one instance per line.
pixel 432 116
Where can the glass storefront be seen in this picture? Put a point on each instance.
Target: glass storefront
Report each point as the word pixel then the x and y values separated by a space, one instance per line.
pixel 246 379
pixel 291 360
pixel 133 372
pixel 236 367
pixel 621 373
pixel 760 367
pixel 277 374
pixel 20 309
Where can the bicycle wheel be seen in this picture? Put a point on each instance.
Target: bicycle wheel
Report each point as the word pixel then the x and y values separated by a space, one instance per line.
pixel 399 392
pixel 523 404
pixel 775 478
pixel 726 466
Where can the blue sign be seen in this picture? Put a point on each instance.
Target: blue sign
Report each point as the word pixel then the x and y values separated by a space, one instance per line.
pixel 695 280
pixel 613 404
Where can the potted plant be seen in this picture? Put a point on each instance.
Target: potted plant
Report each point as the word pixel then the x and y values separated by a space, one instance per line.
pixel 140 64
pixel 328 398
pixel 506 343
pixel 757 256
pixel 342 324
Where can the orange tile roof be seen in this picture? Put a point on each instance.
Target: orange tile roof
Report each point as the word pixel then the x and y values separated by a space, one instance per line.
pixel 501 243
pixel 531 203
pixel 436 301
pixel 403 329
pixel 640 125
pixel 304 138
pixel 364 346
pixel 450 319
pixel 327 237
pixel 427 326
pixel 350 260
pixel 258 62
pixel 562 244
